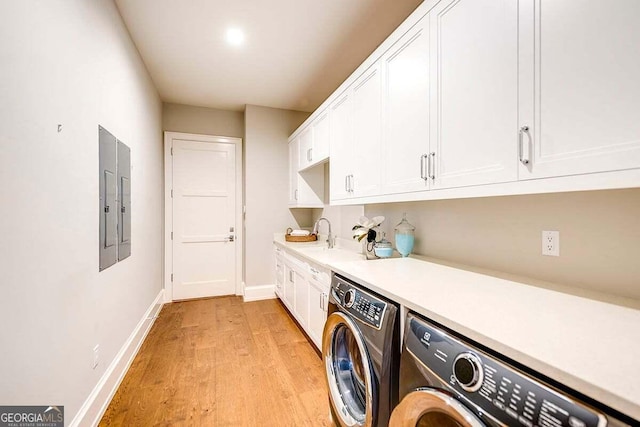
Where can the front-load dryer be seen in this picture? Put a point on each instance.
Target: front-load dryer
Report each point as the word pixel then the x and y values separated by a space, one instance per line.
pixel 361 352
pixel 447 380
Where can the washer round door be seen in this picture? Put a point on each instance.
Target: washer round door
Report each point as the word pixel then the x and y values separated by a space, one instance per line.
pixel 428 407
pixel 348 371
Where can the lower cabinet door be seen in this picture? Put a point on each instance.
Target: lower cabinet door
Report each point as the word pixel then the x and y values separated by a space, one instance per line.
pixel 317 313
pixel 301 305
pixel 279 277
pixel 289 288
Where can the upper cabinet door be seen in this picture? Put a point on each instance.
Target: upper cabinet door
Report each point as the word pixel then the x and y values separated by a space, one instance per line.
pixel 306 189
pixel 306 148
pixel 474 131
pixel 584 67
pixel 293 172
pixel 367 133
pixel 405 106
pixel 341 139
pixel 320 151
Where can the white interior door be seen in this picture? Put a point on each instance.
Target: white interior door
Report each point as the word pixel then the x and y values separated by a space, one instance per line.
pixel 204 220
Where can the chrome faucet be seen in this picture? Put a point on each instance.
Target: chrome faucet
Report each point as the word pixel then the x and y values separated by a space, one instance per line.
pixel 330 241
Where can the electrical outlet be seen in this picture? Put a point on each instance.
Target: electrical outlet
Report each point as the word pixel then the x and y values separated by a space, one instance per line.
pixel 551 243
pixel 96 354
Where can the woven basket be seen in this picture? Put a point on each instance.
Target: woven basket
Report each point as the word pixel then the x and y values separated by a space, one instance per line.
pixel 289 238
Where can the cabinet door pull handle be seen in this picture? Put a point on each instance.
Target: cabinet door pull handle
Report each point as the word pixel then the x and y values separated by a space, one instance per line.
pixel 423 166
pixel 432 165
pixel 351 183
pixel 523 129
pixel 346 183
pixel 296 194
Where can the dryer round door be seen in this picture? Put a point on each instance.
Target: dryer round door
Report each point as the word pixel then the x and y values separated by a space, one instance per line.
pixel 348 371
pixel 427 407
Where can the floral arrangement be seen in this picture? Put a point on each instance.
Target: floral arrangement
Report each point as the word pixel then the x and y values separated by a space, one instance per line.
pixel 367 228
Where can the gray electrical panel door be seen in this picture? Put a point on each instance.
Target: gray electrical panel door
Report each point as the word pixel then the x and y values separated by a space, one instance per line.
pixel 108 199
pixel 124 196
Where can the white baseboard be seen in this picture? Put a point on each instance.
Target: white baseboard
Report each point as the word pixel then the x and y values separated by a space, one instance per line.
pixel 98 401
pixel 257 293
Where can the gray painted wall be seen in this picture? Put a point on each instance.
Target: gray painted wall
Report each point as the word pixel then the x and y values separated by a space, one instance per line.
pixel 70 62
pixel 201 120
pixel 266 174
pixel 599 235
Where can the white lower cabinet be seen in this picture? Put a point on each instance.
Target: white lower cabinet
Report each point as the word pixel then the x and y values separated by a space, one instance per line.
pixel 305 293
pixel 301 305
pixel 279 263
pixel 289 288
pixel 318 299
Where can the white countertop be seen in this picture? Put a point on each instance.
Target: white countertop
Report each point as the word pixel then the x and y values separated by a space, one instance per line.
pixel 590 345
pixel 318 252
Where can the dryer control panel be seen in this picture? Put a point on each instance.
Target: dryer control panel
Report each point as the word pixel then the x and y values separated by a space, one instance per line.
pixel 490 386
pixel 362 305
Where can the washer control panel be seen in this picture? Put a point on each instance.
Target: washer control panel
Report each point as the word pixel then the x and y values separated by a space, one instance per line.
pixel 360 304
pixel 492 387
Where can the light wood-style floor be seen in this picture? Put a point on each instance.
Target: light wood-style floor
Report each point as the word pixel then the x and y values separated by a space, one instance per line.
pixel 222 362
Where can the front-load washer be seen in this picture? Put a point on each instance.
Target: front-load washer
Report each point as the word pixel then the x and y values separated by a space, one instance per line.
pixel 447 380
pixel 361 354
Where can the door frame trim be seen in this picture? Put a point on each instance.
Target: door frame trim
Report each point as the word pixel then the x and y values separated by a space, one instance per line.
pixel 168 206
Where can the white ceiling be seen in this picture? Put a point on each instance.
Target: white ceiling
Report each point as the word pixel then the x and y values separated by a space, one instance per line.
pixel 296 52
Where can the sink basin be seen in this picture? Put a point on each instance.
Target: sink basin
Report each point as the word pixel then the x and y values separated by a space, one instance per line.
pixel 317 249
pixel 325 255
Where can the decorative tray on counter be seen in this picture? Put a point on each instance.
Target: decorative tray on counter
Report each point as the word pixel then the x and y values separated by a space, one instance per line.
pixel 289 238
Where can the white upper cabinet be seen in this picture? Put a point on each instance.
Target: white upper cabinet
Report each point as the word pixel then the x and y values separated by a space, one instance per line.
pixel 472 98
pixel 305 149
pixel 474 46
pixel 314 142
pixel 293 171
pixel 355 135
pixel 306 189
pixel 580 69
pixel 320 149
pixel 367 128
pixel 405 112
pixel 340 136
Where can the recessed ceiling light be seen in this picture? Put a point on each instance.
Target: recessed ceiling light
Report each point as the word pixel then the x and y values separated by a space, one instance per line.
pixel 235 36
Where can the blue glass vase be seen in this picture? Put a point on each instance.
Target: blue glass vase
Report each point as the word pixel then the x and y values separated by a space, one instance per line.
pixel 405 238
